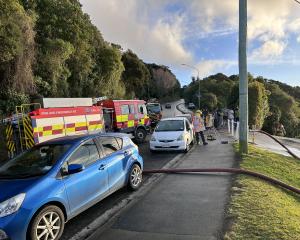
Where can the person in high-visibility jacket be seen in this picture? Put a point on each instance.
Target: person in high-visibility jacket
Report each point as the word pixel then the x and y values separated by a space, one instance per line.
pixel 199 127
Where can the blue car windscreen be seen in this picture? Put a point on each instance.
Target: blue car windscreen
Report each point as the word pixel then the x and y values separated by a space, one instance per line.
pixel 34 162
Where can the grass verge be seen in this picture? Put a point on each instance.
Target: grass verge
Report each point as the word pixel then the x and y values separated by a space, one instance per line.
pixel 259 210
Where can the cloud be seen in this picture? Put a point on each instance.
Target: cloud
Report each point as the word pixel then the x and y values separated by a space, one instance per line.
pixel 294 27
pixel 270 23
pixel 167 31
pixel 270 50
pixel 209 67
pixel 128 23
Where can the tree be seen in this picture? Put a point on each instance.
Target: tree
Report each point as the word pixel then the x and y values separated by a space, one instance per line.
pixel 258 104
pixel 106 75
pixel 272 120
pixel 287 106
pixel 209 101
pixel 136 76
pixel 53 69
pixel 16 53
pixel 63 22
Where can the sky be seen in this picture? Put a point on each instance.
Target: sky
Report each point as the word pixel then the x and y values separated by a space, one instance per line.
pixel 204 34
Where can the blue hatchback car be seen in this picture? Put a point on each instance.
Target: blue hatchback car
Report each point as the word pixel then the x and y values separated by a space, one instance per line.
pixel 54 181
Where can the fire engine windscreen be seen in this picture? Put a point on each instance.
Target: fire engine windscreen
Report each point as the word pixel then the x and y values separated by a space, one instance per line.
pixel 153 108
pixel 170 126
pixel 34 162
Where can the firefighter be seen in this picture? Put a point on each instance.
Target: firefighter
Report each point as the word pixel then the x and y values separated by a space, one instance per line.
pixel 199 127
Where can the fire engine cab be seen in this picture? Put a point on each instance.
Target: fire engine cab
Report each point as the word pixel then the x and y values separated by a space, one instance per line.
pixel 127 116
pixel 51 118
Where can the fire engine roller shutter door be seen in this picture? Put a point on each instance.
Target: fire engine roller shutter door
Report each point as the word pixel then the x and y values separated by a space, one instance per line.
pixel 76 125
pixel 95 122
pixel 47 128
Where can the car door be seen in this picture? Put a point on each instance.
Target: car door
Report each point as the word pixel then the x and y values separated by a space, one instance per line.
pixel 116 158
pixel 89 186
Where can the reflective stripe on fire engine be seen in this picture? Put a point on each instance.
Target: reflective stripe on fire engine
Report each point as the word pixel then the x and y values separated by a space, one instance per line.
pixel 121 123
pixel 70 128
pixel 122 118
pixel 130 123
pixel 28 132
pixel 10 144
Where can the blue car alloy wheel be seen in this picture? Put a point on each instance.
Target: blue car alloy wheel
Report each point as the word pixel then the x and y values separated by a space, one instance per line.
pixel 48 224
pixel 135 177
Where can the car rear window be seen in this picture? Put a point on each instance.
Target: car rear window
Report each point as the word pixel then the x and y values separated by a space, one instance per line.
pixel 109 144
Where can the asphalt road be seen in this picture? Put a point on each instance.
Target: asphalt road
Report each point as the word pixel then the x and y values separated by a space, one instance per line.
pixel 157 160
pixel 269 144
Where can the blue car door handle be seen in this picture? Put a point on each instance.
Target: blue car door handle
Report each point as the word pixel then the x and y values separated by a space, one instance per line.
pixel 102 167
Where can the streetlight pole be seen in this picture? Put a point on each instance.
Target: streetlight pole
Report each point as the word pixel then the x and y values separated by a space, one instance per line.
pixel 198 78
pixel 243 75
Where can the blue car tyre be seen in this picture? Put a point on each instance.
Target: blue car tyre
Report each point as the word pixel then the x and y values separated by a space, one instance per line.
pixel 48 224
pixel 135 177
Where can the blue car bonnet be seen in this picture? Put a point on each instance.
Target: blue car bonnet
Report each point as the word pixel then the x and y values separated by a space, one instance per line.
pixel 11 187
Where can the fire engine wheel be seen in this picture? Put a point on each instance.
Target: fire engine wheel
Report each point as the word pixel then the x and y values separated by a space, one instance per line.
pixel 140 135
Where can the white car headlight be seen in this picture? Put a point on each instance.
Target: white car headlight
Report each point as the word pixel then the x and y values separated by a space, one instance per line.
pixel 11 205
pixel 180 138
pixel 153 139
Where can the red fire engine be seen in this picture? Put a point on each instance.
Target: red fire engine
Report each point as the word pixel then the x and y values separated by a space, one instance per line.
pixel 128 116
pixel 63 117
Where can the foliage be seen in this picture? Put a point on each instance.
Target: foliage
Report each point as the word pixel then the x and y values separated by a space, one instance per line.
pixel 107 74
pixel 272 120
pixel 15 99
pixel 136 76
pixel 16 52
pixel 260 210
pixel 52 67
pixel 210 101
pixel 287 106
pixel 258 104
pixel 219 85
pixel 263 93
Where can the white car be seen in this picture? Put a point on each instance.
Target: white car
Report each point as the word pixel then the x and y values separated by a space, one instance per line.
pixel 172 134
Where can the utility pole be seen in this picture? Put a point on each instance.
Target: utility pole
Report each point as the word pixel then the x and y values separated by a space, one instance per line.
pixel 198 79
pixel 243 75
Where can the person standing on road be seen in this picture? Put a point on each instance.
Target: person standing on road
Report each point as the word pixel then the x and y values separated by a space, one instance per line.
pixel 199 127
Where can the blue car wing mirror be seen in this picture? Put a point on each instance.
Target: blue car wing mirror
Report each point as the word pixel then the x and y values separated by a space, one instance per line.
pixel 75 168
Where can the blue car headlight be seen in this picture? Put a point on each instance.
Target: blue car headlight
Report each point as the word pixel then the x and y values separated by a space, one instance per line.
pixel 11 205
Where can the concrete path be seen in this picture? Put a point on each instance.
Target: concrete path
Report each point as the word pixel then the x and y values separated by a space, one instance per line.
pixel 180 206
